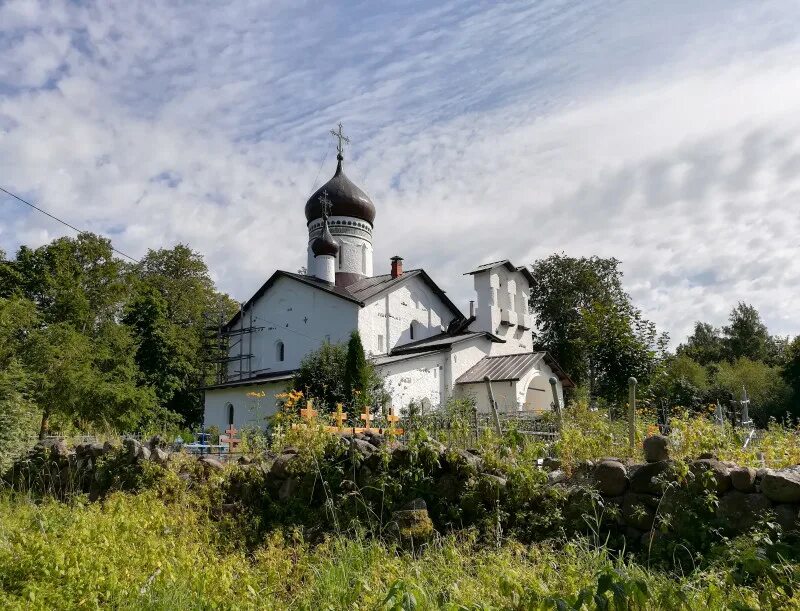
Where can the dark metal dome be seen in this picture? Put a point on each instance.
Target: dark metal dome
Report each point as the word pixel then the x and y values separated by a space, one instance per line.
pixel 325 244
pixel 346 199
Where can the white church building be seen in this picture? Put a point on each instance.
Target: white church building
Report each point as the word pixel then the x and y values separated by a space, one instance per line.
pixel 426 349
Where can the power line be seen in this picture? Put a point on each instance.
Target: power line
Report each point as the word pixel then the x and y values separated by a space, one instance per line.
pixel 55 218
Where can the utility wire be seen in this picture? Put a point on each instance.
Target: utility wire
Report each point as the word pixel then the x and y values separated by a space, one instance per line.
pixel 55 218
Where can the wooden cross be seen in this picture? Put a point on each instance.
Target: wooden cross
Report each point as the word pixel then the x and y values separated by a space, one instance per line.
pixel 342 139
pixel 339 416
pixel 367 418
pixel 309 412
pixel 232 441
pixel 393 420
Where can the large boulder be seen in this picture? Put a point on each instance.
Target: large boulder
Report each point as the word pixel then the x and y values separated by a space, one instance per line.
pixel 782 486
pixel 610 478
pixel 787 516
pixel 209 463
pixel 720 472
pixel 649 478
pixel 412 527
pixel 743 479
pixel 159 456
pixel 740 511
pixel 282 467
pixel 656 448
pixel 638 510
pixel 288 489
pixel 556 477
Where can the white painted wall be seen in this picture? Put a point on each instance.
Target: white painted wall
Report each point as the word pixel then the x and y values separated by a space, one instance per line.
pixel 513 396
pixel 416 379
pixel 354 237
pixel 300 316
pixel 325 268
pixel 390 315
pixel 497 290
pixel 247 412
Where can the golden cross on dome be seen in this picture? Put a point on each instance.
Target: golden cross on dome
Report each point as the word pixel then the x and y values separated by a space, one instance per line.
pixel 342 139
pixel 326 204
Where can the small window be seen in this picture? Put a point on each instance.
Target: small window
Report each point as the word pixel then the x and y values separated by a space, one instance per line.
pixel 279 352
pixel 230 414
pixel 435 372
pixel 455 358
pixel 380 343
pixel 411 329
pixel 341 255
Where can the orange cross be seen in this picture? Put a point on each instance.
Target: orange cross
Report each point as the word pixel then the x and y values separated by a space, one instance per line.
pixel 339 416
pixel 367 418
pixel 393 419
pixel 309 412
pixel 232 441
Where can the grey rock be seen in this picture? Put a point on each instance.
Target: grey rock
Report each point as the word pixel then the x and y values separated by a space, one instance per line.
pixel 143 453
pixel 97 449
pixel 281 468
pixel 740 511
pixel 556 477
pixel 411 526
pixel 551 464
pixel 211 463
pixel 610 478
pixel 288 489
pixel 721 473
pixel 648 479
pixel 159 456
pixel 787 516
pixel 782 486
pixel 132 448
pixel 637 512
pixel 448 486
pixel 656 448
pixel 363 447
pixel 415 504
pixel 743 479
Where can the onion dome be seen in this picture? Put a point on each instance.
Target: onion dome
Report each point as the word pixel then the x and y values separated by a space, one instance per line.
pixel 325 244
pixel 346 199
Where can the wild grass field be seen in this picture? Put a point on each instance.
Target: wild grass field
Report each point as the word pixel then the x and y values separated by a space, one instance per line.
pixel 165 543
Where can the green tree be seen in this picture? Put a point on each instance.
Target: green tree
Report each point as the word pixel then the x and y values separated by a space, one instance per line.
pixel 79 383
pixel 73 280
pixel 791 373
pixel 19 417
pixel 321 376
pixel 746 336
pixel 768 391
pixel 586 320
pixel 682 382
pixel 704 346
pixel 359 375
pixel 168 314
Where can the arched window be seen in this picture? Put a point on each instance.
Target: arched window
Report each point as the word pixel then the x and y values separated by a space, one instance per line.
pixel 279 352
pixel 412 329
pixel 230 413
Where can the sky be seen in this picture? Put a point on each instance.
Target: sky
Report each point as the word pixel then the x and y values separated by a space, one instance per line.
pixel 665 134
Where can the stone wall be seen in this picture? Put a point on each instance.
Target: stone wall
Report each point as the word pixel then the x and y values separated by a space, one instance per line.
pixel 642 493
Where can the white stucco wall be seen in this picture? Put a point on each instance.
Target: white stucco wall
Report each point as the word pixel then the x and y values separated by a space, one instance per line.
pixel 390 315
pixel 513 396
pixel 354 237
pixel 416 379
pixel 300 316
pixel 247 412
pixel 497 290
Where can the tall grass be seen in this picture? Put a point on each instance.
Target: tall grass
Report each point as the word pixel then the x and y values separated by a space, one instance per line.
pixel 135 552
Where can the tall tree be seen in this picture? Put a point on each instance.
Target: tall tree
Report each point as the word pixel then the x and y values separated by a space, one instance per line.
pixel 173 294
pixel 705 345
pixel 358 375
pixel 746 335
pixel 587 321
pixel 73 280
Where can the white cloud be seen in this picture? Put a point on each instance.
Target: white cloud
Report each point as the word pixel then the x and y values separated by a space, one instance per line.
pixel 664 135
